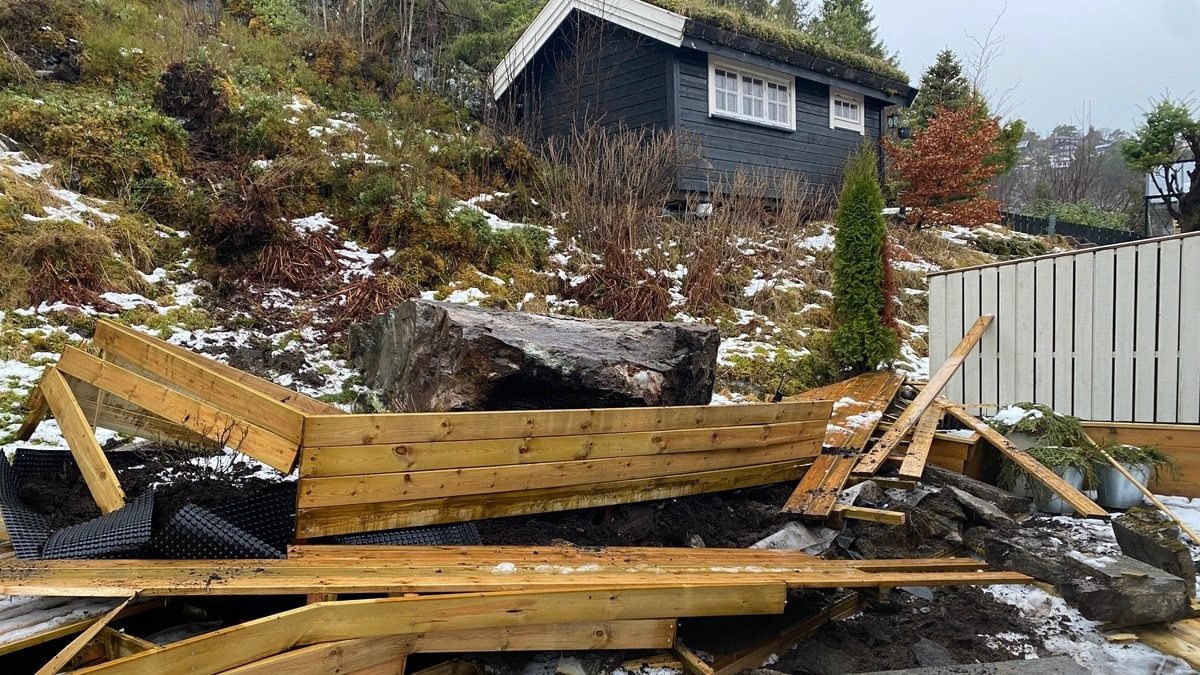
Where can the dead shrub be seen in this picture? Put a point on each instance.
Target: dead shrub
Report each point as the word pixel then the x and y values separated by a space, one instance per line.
pixel 364 299
pixel 302 262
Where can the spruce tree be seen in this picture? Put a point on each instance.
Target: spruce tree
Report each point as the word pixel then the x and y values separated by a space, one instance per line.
pixel 849 24
pixel 942 84
pixel 861 340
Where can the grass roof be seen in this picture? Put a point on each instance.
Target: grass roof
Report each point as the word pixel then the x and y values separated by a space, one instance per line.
pixel 740 22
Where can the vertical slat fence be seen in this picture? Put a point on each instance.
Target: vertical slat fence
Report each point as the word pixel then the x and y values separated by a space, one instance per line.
pixel 1106 334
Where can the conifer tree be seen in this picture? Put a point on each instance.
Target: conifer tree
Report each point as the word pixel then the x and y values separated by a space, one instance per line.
pixel 849 24
pixel 942 84
pixel 861 340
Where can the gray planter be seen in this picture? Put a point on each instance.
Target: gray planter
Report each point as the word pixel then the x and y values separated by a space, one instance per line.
pixel 1051 503
pixel 1115 491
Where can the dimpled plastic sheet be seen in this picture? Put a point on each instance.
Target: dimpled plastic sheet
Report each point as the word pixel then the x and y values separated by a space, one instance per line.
pixel 270 516
pixel 458 534
pixel 27 530
pixel 195 533
pixel 119 534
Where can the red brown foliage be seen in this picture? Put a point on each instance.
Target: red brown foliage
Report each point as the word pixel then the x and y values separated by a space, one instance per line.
pixel 943 176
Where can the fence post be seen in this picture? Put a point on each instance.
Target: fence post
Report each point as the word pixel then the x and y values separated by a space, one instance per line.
pixel 1053 223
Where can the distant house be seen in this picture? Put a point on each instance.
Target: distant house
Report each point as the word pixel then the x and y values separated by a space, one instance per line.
pixel 748 103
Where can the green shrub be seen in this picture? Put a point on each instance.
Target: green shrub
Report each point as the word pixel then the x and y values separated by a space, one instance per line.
pixel 861 341
pixel 1080 213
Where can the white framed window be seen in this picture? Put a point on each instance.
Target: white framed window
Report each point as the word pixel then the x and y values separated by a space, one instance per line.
pixel 846 111
pixel 740 92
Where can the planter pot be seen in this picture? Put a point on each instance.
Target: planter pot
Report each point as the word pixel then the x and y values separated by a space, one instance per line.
pixel 1115 491
pixel 1022 440
pixel 1051 503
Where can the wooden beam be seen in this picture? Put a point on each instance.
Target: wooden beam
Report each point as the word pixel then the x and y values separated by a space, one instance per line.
pixel 97 473
pixel 352 460
pixel 198 380
pixel 216 425
pixel 70 628
pixel 38 409
pixel 541 569
pixel 352 619
pixel 922 440
pixel 1077 500
pixel 123 644
pixel 320 522
pixel 862 399
pixel 63 657
pixel 1178 638
pixel 400 428
pixel 469 482
pixel 874 458
pixel 123 417
pixel 873 515
pixel 349 655
pixel 692 662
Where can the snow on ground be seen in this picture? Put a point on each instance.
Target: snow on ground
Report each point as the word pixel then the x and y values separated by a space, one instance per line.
pixel 1062 630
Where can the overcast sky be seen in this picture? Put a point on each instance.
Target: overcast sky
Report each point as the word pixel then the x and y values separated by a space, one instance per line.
pixel 1061 59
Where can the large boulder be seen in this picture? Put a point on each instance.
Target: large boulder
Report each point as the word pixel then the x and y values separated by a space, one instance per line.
pixel 436 356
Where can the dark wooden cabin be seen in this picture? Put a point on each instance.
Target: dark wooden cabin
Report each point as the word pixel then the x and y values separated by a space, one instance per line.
pixel 748 104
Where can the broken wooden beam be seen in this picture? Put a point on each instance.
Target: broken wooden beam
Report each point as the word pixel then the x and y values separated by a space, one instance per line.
pixel 849 428
pixel 755 656
pixel 38 409
pixel 64 656
pixel 1077 500
pixel 874 458
pixel 356 619
pixel 922 440
pixel 97 473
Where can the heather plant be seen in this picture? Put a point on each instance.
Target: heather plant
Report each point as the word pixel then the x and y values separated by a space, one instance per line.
pixel 861 338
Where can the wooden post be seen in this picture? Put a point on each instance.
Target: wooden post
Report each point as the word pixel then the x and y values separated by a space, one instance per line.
pixel 94 466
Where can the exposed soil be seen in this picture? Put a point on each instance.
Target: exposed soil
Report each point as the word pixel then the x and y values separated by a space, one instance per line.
pixel 64 499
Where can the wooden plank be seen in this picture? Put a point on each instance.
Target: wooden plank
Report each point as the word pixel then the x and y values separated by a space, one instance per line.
pixel 350 655
pixel 383 516
pixel 874 458
pixel 938 311
pixel 353 619
pixel 869 514
pixel 123 417
pixel 1124 309
pixel 756 655
pixel 451 667
pixel 1085 268
pixel 1077 500
pixel 124 644
pixel 38 409
pixel 1103 335
pixel 1008 325
pixel 971 369
pixel 692 662
pixel 399 428
pixel 417 485
pixel 1043 331
pixel 955 322
pixel 353 460
pixel 199 380
pixel 989 344
pixel 1170 302
pixel 922 440
pixel 97 473
pixel 73 627
pixel 1064 319
pixel 216 425
pixel 67 653
pixel 872 393
pixel 1177 638
pixel 279 393
pixel 1188 395
pixel 1025 365
pixel 1145 333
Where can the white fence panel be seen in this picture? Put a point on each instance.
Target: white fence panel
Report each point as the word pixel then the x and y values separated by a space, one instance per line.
pixel 1106 334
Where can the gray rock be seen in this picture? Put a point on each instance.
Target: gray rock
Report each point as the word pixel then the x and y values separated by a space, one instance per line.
pixel 1029 554
pixel 1147 534
pixel 1123 590
pixel 437 356
pixel 929 654
pixel 1007 501
pixel 985 510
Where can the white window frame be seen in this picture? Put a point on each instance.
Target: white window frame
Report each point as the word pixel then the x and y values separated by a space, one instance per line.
pixel 844 97
pixel 769 80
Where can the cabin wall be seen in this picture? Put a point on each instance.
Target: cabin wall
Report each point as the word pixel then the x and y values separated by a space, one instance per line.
pixel 813 149
pixel 596 73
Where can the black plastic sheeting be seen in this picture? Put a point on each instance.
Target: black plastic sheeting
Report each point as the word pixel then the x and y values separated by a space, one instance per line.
pixel 458 534
pixel 27 529
pixel 120 534
pixel 194 533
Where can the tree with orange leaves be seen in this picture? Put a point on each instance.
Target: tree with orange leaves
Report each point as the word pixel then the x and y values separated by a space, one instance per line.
pixel 942 173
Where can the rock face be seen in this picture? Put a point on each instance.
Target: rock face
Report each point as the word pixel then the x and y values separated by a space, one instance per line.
pixel 1146 534
pixel 437 356
pixel 1124 590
